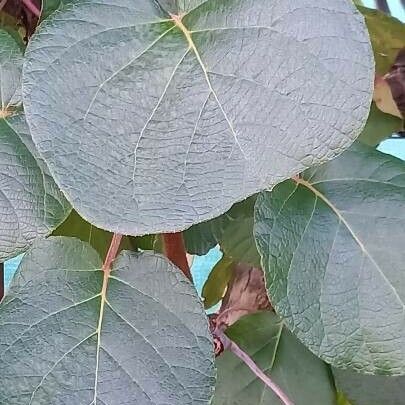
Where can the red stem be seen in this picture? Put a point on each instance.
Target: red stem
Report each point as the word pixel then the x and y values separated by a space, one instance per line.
pixel 237 351
pixel 175 251
pixel 32 7
pixel 1 281
pixel 112 252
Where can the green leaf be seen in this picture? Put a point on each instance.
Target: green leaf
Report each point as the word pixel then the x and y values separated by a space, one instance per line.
pixel 370 390
pixel 200 238
pixel 238 242
pixel 76 226
pixel 11 61
pixel 342 400
pixel 332 250
pixel 387 36
pixel 215 287
pixel 181 117
pixel 379 127
pixel 31 205
pixel 50 6
pixel 302 376
pixel 138 337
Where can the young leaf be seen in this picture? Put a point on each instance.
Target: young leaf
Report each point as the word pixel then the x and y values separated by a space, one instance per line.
pixel 332 249
pixel 302 376
pixel 184 108
pixel 370 390
pixel 215 287
pixel 71 335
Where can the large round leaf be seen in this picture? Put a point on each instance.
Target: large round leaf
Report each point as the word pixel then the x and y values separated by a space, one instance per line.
pixel 332 250
pixel 71 336
pixel 303 377
pixel 155 115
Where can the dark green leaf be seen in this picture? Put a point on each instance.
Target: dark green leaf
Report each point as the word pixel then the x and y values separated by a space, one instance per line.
pixel 76 226
pixel 50 6
pixel 302 376
pixel 379 126
pixel 200 238
pixel 67 339
pixel 332 249
pixel 215 287
pixel 152 124
pixel 387 36
pixel 238 242
pixel 370 390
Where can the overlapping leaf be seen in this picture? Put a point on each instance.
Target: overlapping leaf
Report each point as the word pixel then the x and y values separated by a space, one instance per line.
pixel 31 205
pixel 332 249
pixel 152 122
pixel 387 36
pixel 77 227
pixel 67 338
pixel 298 372
pixel 11 60
pixel 370 390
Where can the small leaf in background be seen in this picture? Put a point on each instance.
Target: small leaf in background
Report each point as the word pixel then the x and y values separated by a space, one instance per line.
pixel 67 338
pixel 379 127
pixel 215 287
pixel 31 204
pixel 302 376
pixel 75 226
pixel 387 36
pixel 370 390
pixel 200 238
pixel 50 6
pixel 238 242
pixel 183 115
pixel 324 243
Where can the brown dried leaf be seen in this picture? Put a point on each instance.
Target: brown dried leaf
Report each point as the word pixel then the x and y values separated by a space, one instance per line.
pixel 246 294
